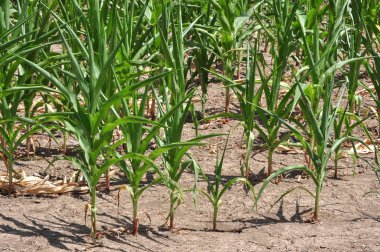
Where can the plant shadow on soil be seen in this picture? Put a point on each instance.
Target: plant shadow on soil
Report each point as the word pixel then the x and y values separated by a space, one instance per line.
pixel 78 234
pixel 280 217
pixel 40 227
pixel 124 223
pixel 366 216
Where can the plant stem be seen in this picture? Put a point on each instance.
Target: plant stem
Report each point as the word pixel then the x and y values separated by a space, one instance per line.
pixel 65 136
pixel 228 70
pixel 204 100
pixel 247 164
pixel 247 170
pixel 270 161
pixel 135 230
pixel 93 211
pixel 171 212
pixel 27 146
pixel 215 216
pixel 9 165
pixel 317 199
pixel 227 102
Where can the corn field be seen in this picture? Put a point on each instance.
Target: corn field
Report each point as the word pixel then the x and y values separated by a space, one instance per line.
pixel 145 111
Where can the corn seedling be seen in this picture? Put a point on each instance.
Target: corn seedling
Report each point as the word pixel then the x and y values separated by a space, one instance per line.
pixel 216 188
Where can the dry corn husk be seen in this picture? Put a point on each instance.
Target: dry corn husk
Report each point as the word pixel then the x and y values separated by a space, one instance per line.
pixel 360 148
pixel 33 185
pixel 285 149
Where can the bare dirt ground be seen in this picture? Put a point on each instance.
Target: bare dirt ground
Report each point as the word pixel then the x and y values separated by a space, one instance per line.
pixel 350 209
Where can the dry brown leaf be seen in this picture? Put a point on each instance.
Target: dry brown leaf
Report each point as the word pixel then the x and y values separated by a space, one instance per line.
pixel 32 185
pixel 212 148
pixel 284 149
pixel 363 149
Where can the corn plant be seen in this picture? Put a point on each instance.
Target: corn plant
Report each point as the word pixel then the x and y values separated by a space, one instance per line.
pixel 216 188
pixel 354 43
pixel 232 16
pixel 318 127
pixel 344 124
pixel 38 31
pixel 23 36
pixel 137 50
pixel 248 97
pixel 284 42
pixel 173 53
pixel 372 43
pixel 203 55
pixel 320 49
pixel 315 136
pixel 89 118
pixel 137 138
